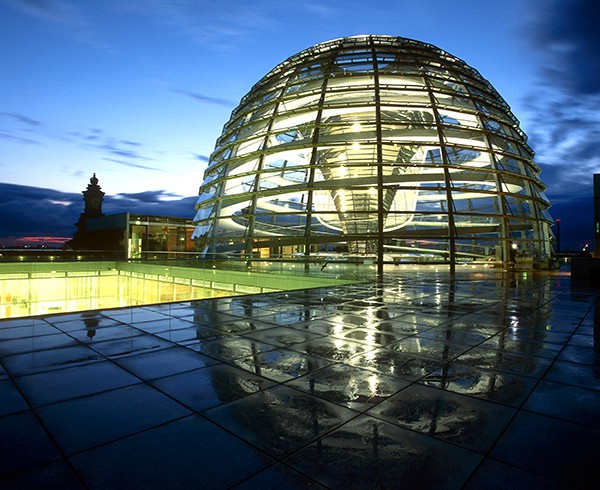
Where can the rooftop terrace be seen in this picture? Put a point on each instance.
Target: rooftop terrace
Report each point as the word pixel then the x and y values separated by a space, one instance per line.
pixel 490 380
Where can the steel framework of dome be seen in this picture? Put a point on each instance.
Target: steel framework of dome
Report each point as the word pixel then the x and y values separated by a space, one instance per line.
pixel 379 147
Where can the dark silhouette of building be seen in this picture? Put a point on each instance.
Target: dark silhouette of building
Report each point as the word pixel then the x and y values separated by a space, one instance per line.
pixel 129 235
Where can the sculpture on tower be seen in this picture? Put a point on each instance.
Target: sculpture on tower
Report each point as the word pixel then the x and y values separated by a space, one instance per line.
pixel 93 197
pixel 91 235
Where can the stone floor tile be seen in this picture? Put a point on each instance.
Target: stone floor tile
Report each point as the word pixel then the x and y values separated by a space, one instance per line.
pixel 574 373
pixel 427 347
pixel 460 336
pixel 373 337
pixel 505 341
pixel 280 420
pixel 350 386
pixel 187 453
pixel 508 362
pixel 64 384
pixel 494 386
pixel 404 366
pixel 228 349
pixel 339 350
pixel 91 335
pixel 26 327
pixel 24 445
pixel 581 355
pixel 58 475
pixel 115 349
pixel 97 419
pixel 50 359
pixel 32 344
pixel 279 476
pixel 134 315
pixel 464 421
pixel 552 448
pixel 281 364
pixel 494 475
pixel 11 400
pixel 164 362
pixel 281 336
pixel 567 402
pixel 211 386
pixel 371 453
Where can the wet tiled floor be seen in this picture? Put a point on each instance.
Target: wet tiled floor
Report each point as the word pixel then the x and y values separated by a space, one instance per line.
pixel 484 381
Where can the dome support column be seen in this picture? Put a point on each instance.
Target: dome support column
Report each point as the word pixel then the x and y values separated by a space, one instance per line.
pixel 380 188
pixel 312 167
pixel 447 178
pixel 256 185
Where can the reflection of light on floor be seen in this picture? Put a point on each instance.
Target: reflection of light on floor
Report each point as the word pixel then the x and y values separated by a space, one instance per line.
pixel 50 292
pixel 373 381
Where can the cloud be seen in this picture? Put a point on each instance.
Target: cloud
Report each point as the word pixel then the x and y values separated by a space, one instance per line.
pixel 20 118
pixel 223 26
pixel 19 128
pixel 564 133
pixel 564 109
pixel 64 15
pixel 19 139
pixel 202 158
pixel 159 203
pixel 122 151
pixel 113 148
pixel 132 165
pixel 566 33
pixel 35 211
pixel 205 98
pixel 148 196
pixel 51 10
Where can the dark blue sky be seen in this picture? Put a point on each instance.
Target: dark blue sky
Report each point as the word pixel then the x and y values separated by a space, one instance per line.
pixel 138 92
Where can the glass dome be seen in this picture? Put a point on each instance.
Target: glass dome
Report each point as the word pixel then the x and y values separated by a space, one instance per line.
pixel 373 148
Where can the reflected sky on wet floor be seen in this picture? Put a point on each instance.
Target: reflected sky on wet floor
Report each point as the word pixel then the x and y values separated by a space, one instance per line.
pixel 418 381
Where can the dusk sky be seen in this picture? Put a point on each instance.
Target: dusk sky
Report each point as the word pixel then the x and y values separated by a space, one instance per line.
pixel 138 91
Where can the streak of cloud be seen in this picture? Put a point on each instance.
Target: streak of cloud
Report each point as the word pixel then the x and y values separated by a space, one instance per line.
pixel 113 148
pixel 158 203
pixel 221 26
pixel 19 139
pixel 131 164
pixel 50 10
pixel 118 150
pixel 149 196
pixel 20 118
pixel 18 128
pixel 205 98
pixel 64 15
pixel 203 21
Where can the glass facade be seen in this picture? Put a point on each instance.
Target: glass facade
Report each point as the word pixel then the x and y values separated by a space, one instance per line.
pixel 140 236
pixel 373 148
pixel 158 237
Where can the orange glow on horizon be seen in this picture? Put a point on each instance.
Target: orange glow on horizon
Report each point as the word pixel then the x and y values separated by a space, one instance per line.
pixel 33 241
